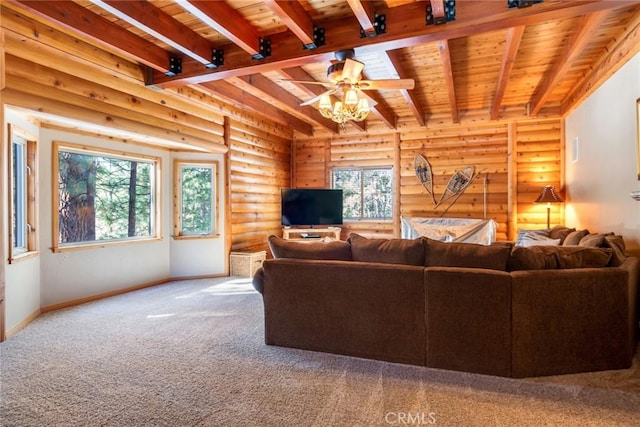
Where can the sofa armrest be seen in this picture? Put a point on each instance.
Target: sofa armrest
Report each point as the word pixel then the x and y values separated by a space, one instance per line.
pixel 258 280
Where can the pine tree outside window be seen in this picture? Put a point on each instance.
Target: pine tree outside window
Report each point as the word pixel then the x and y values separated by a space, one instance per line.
pixel 103 197
pixel 367 192
pixel 196 199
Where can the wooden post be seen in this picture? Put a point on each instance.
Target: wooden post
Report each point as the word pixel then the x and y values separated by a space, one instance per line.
pixel 512 188
pixel 397 164
pixel 228 231
pixel 3 174
pixel 563 161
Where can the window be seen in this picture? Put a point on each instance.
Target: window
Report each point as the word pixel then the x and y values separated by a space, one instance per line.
pixel 196 204
pixel 102 196
pixel 367 193
pixel 22 184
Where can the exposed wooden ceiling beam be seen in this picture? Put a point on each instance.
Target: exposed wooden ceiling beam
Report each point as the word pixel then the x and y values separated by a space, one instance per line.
pixel 472 18
pixel 393 63
pixel 152 20
pixel 267 88
pixel 445 56
pixel 227 21
pixel 363 10
pixel 244 100
pixel 572 50
pixel 623 47
pixel 293 15
pixel 76 20
pixel 514 37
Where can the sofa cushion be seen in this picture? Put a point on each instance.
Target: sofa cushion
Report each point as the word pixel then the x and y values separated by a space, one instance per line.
pixel 533 258
pixel 388 251
pixel 469 255
pixel 558 257
pixel 574 237
pixel 583 257
pixel 560 232
pixel 335 249
pixel 616 244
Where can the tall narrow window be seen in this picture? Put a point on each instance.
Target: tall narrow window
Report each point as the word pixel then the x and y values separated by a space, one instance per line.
pixel 196 207
pixel 103 196
pixel 367 192
pixel 22 183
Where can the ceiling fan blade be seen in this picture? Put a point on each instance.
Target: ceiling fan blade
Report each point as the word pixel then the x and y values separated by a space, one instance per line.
pixel 309 82
pixel 387 84
pixel 317 98
pixel 352 70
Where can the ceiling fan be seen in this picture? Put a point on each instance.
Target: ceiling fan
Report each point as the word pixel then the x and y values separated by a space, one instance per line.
pixel 346 73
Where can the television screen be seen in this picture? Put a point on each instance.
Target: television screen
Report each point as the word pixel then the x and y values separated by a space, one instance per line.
pixel 311 207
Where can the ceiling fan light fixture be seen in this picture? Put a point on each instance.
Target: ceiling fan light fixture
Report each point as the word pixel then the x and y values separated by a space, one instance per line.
pixel 351 97
pixel 325 105
pixel 351 107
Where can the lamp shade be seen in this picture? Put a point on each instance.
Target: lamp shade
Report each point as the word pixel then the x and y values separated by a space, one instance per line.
pixel 548 195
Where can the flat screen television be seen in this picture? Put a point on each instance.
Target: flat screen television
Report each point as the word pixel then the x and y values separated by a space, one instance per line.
pixel 311 207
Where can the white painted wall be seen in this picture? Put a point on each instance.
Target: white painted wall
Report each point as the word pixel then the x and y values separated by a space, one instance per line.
pixel 55 278
pixel 599 182
pixel 201 257
pixel 22 279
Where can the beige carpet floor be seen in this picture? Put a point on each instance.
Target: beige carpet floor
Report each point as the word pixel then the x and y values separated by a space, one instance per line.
pixel 192 353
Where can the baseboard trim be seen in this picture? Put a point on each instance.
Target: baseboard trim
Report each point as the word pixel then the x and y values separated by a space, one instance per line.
pixel 91 298
pixel 22 324
pixel 96 297
pixel 204 276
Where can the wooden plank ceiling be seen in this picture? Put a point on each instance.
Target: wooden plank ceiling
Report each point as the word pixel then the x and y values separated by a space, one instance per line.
pixel 491 61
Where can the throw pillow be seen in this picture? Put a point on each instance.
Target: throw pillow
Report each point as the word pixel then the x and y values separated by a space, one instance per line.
pixel 530 235
pixel 616 244
pixel 574 237
pixel 469 255
pixel 335 250
pixel 388 251
pixel 560 232
pixel 592 240
pixel 539 242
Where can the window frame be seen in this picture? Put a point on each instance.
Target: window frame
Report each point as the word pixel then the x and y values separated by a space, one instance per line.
pixel 29 194
pixel 178 165
pixel 362 199
pixel 156 192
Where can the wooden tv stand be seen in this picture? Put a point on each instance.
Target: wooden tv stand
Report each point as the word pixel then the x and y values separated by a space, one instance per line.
pixel 310 234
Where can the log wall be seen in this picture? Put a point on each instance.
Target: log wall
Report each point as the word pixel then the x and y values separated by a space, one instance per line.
pixel 52 72
pixel 513 160
pixel 259 168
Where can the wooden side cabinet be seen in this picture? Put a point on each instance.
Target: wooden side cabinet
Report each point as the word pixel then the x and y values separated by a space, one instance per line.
pixel 311 234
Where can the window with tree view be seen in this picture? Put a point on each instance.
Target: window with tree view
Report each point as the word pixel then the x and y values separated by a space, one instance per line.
pixel 104 196
pixel 195 209
pixel 367 193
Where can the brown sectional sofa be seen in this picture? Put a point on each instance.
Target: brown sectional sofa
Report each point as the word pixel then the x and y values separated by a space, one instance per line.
pixel 454 306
